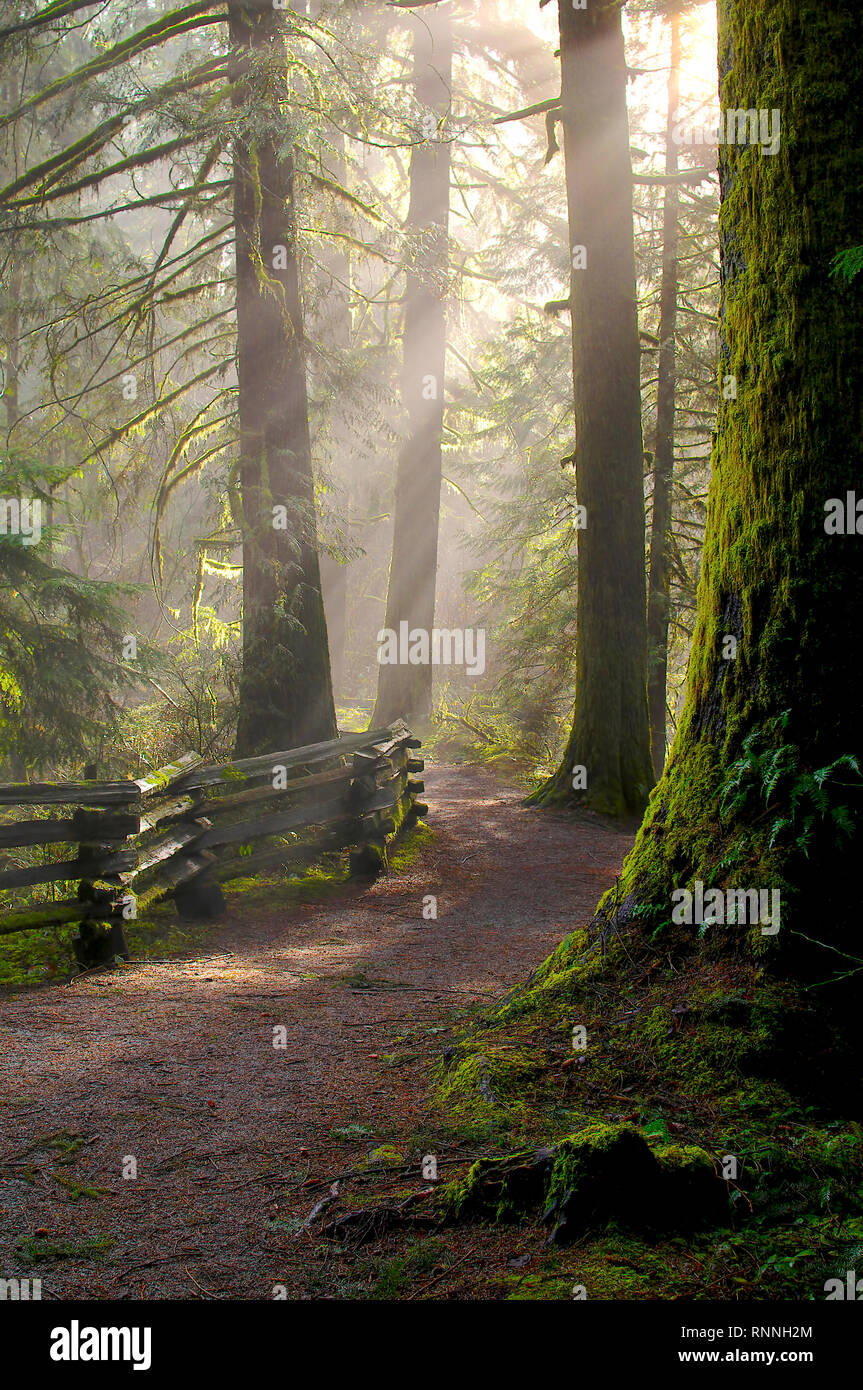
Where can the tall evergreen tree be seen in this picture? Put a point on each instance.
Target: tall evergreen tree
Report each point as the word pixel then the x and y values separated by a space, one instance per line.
pixel 606 765
pixel 406 689
pixel 286 697
pixel 659 573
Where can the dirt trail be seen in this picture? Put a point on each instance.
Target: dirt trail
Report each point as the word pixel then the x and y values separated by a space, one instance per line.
pixel 173 1064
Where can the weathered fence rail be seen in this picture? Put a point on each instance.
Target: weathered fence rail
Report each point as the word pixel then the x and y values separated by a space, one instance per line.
pixel 190 826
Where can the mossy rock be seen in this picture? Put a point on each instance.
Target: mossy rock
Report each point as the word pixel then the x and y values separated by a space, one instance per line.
pixel 609 1173
pixel 605 1173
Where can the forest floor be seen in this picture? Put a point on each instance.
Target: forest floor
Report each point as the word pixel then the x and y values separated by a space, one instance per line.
pixel 170 1068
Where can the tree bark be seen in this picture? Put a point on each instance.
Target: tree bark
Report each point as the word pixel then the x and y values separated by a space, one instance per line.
pixel 336 325
pixel 663 457
pixel 406 690
pixel 610 736
pixel 12 331
pixel 286 695
pixel 756 727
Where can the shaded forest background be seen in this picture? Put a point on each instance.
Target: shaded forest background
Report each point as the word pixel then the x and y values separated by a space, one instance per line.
pixel 121 396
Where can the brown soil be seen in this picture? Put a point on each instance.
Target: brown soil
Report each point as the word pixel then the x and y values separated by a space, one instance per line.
pixel 173 1064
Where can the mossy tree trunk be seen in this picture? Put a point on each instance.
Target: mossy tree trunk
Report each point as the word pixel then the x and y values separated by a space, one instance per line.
pixel 286 695
pixel 610 736
pixel 406 690
pixel 659 567
pixel 758 725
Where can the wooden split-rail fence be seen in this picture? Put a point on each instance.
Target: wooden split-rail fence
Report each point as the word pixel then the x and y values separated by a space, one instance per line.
pixel 183 830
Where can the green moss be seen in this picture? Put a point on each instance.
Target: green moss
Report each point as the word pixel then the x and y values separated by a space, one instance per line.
pixel 33 1250
pixel 685 1160
pixel 658 1025
pixel 541 1286
pixel 278 890
pixel 491 1076
pixel 605 1172
pixel 409 847
pixel 386 1156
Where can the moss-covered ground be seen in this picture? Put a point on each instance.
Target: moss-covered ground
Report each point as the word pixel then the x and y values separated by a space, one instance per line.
pixel 651 1125
pixel 678 1111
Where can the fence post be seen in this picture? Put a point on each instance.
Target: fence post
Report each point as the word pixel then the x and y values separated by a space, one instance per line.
pixel 100 937
pixel 369 858
pixel 387 762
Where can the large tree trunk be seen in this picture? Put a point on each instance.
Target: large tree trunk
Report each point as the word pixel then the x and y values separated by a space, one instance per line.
pixel 336 332
pixel 406 690
pixel 610 736
pixel 772 577
pixel 663 457
pixel 286 694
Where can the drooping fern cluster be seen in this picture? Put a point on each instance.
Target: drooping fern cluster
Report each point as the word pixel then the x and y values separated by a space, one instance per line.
pixel 846 264
pixel 802 802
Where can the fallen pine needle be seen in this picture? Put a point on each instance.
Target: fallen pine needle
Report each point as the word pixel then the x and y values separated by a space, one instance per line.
pixel 442 1275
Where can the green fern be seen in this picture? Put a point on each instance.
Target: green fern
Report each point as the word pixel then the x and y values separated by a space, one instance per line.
pixel 846 264
pixel 805 803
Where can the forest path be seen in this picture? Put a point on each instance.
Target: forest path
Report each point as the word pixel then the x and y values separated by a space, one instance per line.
pixel 172 1063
